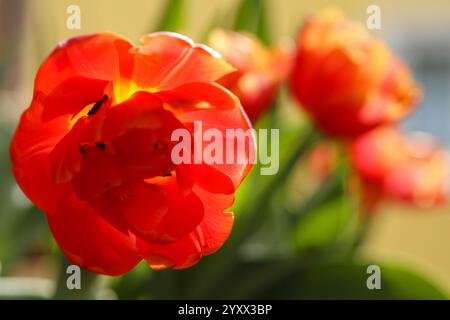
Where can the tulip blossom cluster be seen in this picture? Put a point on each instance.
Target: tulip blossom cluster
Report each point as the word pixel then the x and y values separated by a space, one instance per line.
pixel 354 88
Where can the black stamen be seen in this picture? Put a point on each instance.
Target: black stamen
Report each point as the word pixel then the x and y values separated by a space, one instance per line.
pixel 100 145
pixel 168 174
pixel 160 145
pixel 97 105
pixel 83 148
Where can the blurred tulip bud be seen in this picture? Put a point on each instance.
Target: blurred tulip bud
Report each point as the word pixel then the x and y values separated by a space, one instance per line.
pixel 348 81
pixel 412 169
pixel 259 70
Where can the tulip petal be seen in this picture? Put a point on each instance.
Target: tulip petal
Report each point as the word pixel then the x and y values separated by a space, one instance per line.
pixel 207 238
pixel 137 112
pixel 206 177
pixel 99 172
pixel 223 112
pixel 72 95
pixel 140 132
pixel 157 212
pixel 233 121
pixel 65 158
pixel 89 241
pixel 31 146
pixel 98 56
pixel 191 93
pixel 217 224
pixel 167 60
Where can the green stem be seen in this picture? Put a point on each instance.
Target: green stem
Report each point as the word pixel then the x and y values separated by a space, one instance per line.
pixel 328 189
pixel 251 16
pixel 362 234
pixel 364 221
pixel 172 18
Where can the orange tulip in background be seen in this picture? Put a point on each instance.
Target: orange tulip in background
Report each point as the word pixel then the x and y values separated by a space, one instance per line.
pixel 415 170
pixel 346 80
pixel 93 151
pixel 259 70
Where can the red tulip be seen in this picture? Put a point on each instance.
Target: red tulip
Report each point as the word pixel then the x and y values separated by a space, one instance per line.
pixel 348 81
pixel 259 70
pixel 93 151
pixel 414 170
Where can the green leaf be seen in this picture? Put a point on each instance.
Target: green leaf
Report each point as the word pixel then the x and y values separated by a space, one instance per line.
pixel 89 284
pixel 348 281
pixel 324 224
pixel 134 284
pixel 251 16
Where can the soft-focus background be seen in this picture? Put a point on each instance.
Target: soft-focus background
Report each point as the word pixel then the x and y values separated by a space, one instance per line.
pixel 400 235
